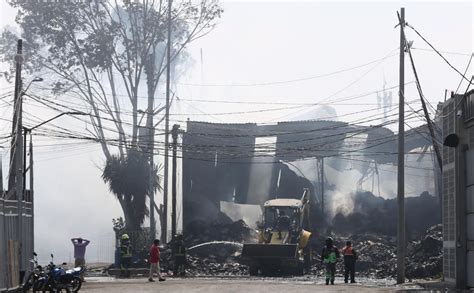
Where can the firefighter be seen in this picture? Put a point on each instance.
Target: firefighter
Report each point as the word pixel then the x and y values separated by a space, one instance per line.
pixel 179 252
pixel 125 256
pixel 350 257
pixel 329 257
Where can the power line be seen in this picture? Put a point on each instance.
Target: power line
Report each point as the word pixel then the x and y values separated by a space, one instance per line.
pixel 445 52
pixel 439 53
pixel 465 71
pixel 292 80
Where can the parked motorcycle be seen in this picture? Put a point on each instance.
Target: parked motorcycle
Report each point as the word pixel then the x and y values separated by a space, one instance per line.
pixel 57 279
pixel 32 278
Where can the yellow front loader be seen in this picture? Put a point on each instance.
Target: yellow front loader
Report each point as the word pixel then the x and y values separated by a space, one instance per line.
pixel 283 239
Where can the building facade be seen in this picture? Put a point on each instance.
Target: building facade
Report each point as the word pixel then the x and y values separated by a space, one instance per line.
pixel 458 190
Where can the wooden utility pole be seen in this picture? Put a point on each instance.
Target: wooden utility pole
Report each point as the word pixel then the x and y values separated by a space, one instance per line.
pixel 30 167
pixel 151 141
pixel 401 158
pixel 322 185
pixel 174 134
pixel 19 152
pixel 164 228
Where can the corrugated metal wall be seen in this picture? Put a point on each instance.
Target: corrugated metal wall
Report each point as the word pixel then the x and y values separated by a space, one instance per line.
pixel 449 207
pixel 9 242
pixel 469 116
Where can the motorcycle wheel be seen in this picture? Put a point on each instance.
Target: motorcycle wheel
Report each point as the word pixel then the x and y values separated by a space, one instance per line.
pixel 28 283
pixel 76 284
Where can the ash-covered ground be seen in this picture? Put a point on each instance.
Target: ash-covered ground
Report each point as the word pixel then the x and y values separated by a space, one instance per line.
pixel 215 247
pixel 215 251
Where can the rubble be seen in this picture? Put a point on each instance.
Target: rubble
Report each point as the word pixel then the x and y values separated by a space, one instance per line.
pixel 373 214
pixel 214 250
pixel 223 229
pixel 425 258
pixel 377 255
pixel 211 266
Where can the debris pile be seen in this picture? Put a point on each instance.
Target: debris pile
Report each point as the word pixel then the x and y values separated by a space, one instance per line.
pixel 377 255
pixel 425 258
pixel 214 250
pixel 373 214
pixel 211 266
pixel 223 229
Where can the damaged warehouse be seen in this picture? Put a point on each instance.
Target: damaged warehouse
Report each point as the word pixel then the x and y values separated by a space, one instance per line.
pixel 230 170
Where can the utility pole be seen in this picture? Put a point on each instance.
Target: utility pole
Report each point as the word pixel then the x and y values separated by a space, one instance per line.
pixel 164 225
pixel 32 191
pixel 174 134
pixel 322 186
pixel 151 141
pixel 401 159
pixel 19 152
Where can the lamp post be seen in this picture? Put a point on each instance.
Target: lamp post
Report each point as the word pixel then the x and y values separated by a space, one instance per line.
pixel 27 130
pixel 20 153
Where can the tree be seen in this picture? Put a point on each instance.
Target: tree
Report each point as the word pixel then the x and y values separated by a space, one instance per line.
pixel 100 52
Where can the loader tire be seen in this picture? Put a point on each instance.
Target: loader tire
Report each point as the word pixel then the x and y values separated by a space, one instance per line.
pixel 307 259
pixel 253 270
pixel 299 270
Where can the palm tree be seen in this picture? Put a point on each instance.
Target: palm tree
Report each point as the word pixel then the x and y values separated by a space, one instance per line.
pixel 128 179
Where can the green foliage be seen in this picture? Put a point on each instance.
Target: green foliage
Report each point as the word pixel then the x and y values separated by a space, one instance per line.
pixel 128 179
pixel 98 51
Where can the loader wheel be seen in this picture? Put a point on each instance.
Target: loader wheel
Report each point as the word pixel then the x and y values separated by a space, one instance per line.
pixel 299 270
pixel 307 259
pixel 253 270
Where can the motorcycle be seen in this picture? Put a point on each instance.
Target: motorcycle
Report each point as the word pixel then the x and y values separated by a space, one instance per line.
pixel 32 278
pixel 56 278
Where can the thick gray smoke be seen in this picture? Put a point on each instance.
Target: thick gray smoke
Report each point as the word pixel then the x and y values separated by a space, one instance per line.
pixel 342 181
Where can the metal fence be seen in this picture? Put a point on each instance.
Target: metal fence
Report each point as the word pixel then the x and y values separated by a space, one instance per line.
pixel 10 262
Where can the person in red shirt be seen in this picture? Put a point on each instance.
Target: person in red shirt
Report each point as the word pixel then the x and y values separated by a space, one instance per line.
pixel 155 261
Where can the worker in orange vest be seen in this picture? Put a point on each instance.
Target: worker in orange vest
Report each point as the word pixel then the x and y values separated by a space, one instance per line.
pixel 350 257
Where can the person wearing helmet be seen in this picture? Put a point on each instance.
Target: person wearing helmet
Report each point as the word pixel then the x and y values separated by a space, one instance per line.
pixel 125 256
pixel 350 257
pixel 179 254
pixel 329 257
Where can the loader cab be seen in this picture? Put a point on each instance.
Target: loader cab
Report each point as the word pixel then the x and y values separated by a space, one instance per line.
pixel 281 221
pixel 281 218
pixel 282 246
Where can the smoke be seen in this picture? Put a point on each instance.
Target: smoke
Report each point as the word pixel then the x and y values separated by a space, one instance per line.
pixel 260 181
pixel 343 180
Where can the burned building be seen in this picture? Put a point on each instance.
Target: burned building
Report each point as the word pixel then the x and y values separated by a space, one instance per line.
pixel 247 164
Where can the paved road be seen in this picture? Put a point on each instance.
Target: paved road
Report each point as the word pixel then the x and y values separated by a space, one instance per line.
pixel 231 285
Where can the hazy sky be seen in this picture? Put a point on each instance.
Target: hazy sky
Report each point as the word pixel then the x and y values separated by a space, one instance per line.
pixel 255 54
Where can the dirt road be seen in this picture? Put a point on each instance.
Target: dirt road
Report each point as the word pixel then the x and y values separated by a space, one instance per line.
pixel 231 285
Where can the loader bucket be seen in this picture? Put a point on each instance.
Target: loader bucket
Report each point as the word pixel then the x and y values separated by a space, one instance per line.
pixel 262 251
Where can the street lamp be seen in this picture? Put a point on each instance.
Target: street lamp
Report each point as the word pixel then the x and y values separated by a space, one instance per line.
pixel 35 79
pixel 30 167
pixel 25 132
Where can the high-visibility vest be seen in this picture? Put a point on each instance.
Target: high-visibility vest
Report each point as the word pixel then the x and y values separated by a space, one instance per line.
pixel 125 250
pixel 347 250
